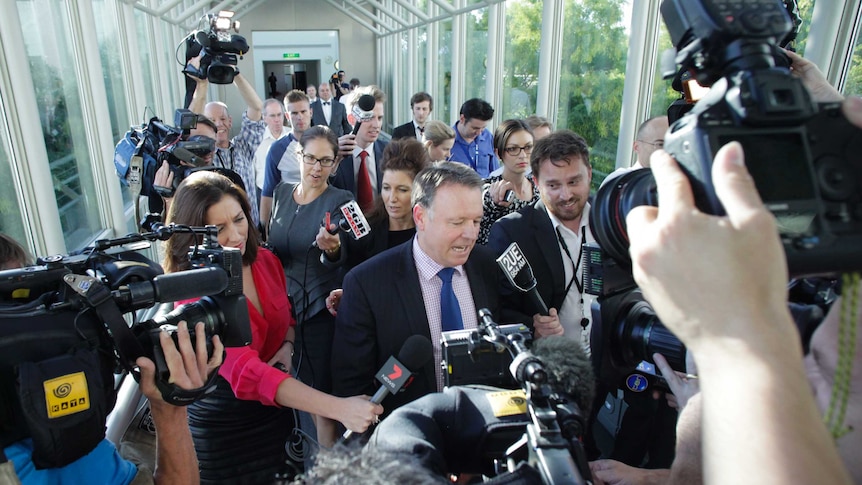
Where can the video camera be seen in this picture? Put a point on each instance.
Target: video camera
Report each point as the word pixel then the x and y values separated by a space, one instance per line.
pixel 143 149
pixel 804 158
pixel 220 48
pixel 64 335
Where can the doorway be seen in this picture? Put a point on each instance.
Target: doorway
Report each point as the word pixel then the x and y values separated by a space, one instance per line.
pixel 291 75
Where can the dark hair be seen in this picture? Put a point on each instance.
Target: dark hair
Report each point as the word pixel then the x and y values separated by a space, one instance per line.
pixel 367 466
pixel 405 155
pixel 203 120
pixel 354 82
pixel 420 97
pixel 427 181
pixel 322 132
pixel 295 96
pixel 505 131
pixel 193 198
pixel 558 147
pixel 478 109
pixel 11 250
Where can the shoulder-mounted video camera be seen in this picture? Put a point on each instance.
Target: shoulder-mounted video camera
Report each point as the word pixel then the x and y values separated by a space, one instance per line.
pixel 64 334
pixel 220 48
pixel 141 151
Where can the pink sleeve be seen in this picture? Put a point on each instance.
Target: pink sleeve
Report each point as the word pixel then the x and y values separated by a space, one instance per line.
pixel 250 378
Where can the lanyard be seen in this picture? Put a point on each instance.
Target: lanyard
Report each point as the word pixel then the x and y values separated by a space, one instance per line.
pixel 474 161
pixel 575 266
pixel 221 159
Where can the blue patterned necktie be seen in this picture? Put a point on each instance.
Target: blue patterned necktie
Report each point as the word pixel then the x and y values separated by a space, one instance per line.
pixel 450 310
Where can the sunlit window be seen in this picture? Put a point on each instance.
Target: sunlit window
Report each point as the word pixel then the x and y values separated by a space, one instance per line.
pixel 108 36
pixel 595 46
pixel 476 68
pixel 520 81
pixel 55 81
pixel 10 211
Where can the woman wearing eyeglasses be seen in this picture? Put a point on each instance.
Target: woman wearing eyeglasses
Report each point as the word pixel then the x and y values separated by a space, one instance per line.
pixel 513 144
pixel 311 257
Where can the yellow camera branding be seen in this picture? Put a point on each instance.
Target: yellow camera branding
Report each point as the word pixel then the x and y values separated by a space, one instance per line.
pixel 507 403
pixel 66 395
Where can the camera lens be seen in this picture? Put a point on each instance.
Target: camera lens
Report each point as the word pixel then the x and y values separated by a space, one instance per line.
pixel 639 334
pixel 612 203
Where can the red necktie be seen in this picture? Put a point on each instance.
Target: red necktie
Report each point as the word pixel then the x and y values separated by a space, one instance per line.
pixel 364 192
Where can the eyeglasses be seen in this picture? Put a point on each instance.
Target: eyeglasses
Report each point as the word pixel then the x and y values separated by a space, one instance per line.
pixel 311 160
pixel 657 144
pixel 514 151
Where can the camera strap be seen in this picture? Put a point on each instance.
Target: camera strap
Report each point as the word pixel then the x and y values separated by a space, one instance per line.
pixel 100 298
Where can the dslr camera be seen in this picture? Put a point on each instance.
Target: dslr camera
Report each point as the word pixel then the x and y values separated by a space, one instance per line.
pixel 68 327
pixel 805 159
pixel 220 48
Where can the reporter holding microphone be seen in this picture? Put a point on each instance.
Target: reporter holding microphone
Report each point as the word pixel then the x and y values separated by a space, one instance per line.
pixel 240 429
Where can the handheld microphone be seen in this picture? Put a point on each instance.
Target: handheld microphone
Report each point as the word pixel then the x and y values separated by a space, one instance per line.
pixel 396 374
pixel 363 110
pixel 172 287
pixel 519 273
pixel 352 221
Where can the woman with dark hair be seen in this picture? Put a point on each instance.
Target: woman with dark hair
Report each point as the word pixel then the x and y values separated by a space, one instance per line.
pixel 512 189
pixel 391 218
pixel 312 257
pixel 240 429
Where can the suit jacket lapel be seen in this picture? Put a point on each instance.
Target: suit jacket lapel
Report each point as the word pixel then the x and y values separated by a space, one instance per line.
pixel 410 293
pixel 378 161
pixel 345 171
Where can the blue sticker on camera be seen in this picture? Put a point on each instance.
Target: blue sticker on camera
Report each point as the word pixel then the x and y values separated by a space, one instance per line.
pixel 636 383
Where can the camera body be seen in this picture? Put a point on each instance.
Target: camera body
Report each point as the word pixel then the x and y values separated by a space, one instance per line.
pixel 805 158
pixel 220 49
pixel 469 359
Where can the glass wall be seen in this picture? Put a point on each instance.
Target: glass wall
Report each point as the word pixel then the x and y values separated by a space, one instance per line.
pixel 10 210
pixel 476 68
pixel 442 98
pixel 521 59
pixel 142 22
pixel 55 82
pixel 593 64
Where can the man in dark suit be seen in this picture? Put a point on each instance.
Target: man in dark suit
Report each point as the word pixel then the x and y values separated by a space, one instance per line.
pixel 328 111
pixel 399 292
pixel 551 233
pixel 359 170
pixel 421 104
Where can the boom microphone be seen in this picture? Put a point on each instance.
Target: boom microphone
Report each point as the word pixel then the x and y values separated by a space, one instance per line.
pixel 569 369
pixel 396 374
pixel 363 110
pixel 519 273
pixel 182 285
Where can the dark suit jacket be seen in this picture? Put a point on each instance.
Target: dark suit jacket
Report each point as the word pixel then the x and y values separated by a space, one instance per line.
pixel 344 178
pixel 337 122
pixel 407 130
pixel 381 307
pixel 534 232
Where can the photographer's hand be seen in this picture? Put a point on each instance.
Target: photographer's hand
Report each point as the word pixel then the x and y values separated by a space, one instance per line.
pixel 681 386
pixel 189 369
pixel 165 178
pixel 813 79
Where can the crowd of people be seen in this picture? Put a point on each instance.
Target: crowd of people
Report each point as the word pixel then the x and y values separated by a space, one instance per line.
pixel 443 203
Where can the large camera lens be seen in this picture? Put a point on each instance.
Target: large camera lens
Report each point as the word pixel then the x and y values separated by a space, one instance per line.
pixel 612 203
pixel 638 334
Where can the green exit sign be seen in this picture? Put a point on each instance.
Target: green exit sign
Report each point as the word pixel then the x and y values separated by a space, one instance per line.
pixel 291 55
